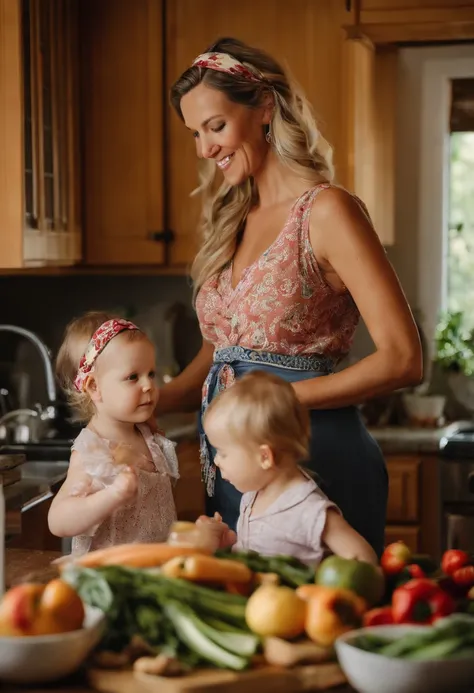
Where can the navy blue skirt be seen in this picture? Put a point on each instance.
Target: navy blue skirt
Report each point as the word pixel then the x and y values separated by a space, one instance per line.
pixel 347 462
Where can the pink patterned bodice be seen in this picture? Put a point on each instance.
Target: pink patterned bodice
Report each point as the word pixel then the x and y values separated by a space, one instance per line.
pixel 282 303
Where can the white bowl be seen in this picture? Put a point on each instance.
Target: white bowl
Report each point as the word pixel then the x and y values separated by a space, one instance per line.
pixel 424 410
pixel 368 672
pixel 40 658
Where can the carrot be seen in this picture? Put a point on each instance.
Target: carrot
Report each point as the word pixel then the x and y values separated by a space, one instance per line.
pixel 200 568
pixel 136 555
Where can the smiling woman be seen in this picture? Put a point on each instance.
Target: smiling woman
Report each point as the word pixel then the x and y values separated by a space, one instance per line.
pixel 287 265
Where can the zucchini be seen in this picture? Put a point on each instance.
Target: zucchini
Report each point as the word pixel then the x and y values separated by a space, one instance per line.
pixel 191 631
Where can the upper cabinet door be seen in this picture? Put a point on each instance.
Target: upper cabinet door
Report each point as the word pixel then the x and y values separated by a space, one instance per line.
pixel 369 85
pixel 390 21
pixel 122 108
pixel 39 165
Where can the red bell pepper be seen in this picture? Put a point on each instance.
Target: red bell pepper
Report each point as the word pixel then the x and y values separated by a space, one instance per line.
pixel 464 576
pixel 380 616
pixel 395 557
pixel 453 559
pixel 420 601
pixel 415 571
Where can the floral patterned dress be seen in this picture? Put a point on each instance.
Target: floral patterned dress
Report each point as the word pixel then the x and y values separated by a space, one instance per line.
pixel 280 314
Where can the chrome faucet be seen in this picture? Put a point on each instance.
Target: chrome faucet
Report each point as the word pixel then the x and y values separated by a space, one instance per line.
pixel 44 413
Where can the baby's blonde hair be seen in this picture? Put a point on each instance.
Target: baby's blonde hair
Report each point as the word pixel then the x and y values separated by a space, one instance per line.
pixel 263 409
pixel 76 338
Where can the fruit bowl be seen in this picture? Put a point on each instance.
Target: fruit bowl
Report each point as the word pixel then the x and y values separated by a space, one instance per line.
pixel 41 658
pixel 369 672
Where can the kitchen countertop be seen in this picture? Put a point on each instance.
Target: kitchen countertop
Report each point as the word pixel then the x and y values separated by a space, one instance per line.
pixel 179 427
pixel 392 439
pixel 25 565
pixel 403 439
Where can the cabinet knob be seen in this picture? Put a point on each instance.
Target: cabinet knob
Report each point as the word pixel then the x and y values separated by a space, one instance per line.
pixel 166 236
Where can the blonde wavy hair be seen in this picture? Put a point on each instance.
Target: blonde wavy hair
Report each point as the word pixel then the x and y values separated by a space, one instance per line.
pixel 76 338
pixel 296 140
pixel 262 409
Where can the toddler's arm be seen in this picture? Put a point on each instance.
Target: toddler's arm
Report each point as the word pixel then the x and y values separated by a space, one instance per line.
pixel 72 514
pixel 344 541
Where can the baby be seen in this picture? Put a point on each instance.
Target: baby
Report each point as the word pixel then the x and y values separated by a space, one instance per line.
pixel 261 433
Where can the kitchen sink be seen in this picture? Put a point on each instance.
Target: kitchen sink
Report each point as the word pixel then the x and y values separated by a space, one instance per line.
pixel 51 472
pixel 48 450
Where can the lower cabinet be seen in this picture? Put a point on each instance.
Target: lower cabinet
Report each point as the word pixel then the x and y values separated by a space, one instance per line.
pixel 413 508
pixel 189 491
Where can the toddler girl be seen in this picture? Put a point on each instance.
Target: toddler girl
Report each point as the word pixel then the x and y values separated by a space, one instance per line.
pixel 261 433
pixel 119 483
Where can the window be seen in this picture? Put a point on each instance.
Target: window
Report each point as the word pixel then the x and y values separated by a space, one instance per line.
pixel 460 240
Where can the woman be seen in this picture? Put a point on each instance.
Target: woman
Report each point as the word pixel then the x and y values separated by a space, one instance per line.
pixel 287 264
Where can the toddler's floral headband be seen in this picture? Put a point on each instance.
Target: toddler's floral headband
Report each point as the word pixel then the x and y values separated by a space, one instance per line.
pixel 223 62
pixel 99 340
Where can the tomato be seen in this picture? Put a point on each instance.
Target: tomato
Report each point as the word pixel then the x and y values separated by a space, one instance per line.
pixel 453 559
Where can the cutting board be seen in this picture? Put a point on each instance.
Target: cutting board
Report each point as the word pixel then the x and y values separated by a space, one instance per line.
pixel 266 679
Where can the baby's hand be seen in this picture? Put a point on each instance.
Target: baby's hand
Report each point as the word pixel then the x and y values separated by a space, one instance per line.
pixel 219 532
pixel 125 485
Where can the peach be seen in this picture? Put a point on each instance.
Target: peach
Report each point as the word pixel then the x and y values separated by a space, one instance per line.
pixel 35 609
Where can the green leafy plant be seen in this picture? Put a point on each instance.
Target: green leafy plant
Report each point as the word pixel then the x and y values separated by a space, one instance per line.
pixel 454 344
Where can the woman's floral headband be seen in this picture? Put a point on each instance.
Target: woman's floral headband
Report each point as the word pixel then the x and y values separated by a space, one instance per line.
pixel 223 62
pixel 99 340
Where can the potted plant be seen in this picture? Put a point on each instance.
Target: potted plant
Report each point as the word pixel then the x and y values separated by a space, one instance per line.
pixel 454 355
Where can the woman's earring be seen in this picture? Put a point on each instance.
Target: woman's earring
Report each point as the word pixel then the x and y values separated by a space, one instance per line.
pixel 268 135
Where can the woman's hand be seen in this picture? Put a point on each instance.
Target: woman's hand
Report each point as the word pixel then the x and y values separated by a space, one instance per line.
pixel 184 393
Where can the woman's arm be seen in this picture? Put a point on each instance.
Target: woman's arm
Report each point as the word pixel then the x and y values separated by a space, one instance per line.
pixel 344 541
pixel 71 515
pixel 184 392
pixel 350 253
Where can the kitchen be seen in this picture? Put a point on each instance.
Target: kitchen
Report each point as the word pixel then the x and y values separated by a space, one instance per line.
pixel 105 176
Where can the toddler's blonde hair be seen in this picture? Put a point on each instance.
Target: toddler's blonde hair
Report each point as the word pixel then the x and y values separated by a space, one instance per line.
pixel 76 338
pixel 263 409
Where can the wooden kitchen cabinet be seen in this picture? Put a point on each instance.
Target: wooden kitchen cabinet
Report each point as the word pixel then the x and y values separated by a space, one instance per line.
pixel 392 21
pixel 39 162
pixel 189 491
pixel 122 99
pixel 140 163
pixel 414 505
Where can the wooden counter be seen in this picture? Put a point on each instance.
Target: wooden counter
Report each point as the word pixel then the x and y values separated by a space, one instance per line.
pixel 25 565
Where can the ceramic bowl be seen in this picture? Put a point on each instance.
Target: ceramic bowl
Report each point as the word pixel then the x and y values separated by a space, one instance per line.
pixel 368 672
pixel 41 658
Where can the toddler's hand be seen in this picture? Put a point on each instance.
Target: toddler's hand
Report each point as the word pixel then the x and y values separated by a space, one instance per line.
pixel 218 531
pixel 125 485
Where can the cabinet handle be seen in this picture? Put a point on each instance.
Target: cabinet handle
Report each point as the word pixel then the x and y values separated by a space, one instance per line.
pixel 470 482
pixel 166 236
pixel 348 5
